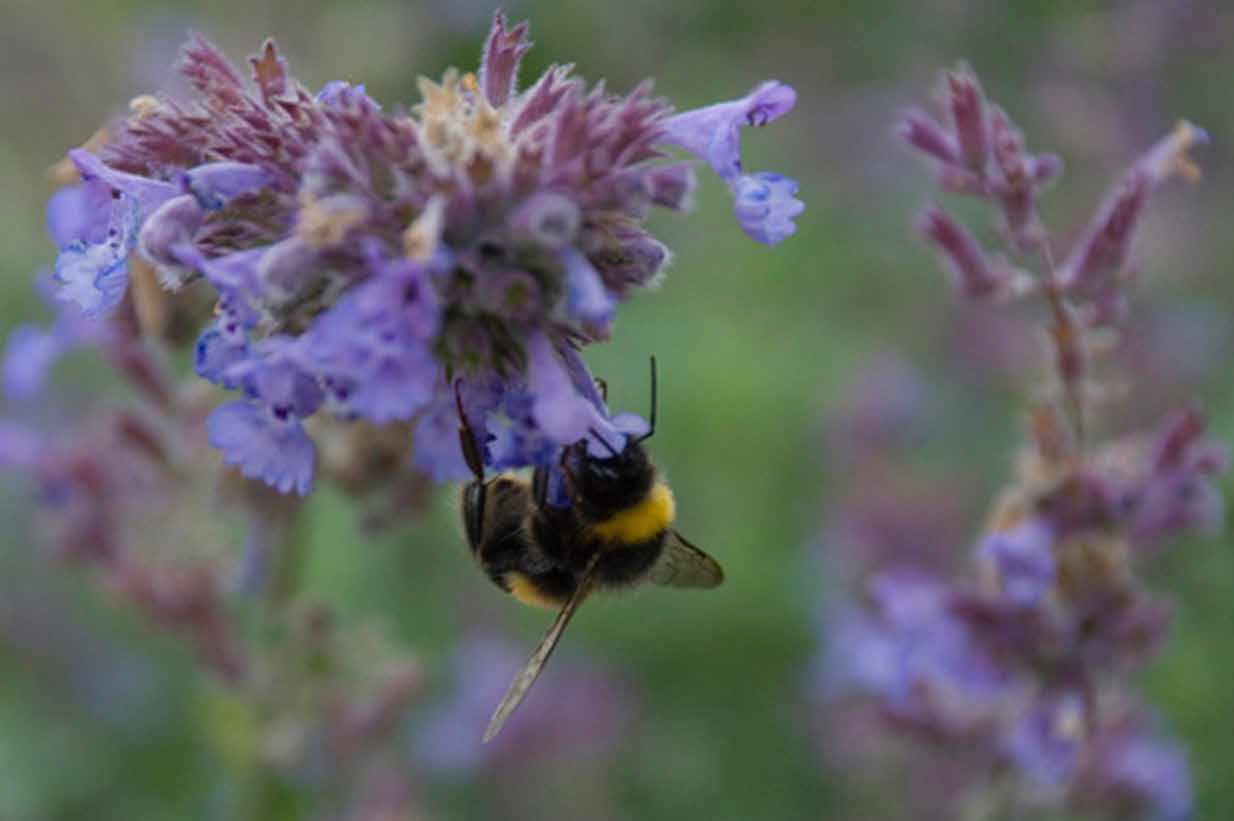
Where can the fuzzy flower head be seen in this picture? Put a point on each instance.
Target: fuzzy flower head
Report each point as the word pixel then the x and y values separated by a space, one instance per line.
pixel 373 260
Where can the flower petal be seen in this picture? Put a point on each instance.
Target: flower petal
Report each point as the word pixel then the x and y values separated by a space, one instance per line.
pixel 93 276
pixel 712 133
pixel 586 297
pixel 148 194
pixel 278 453
pixel 79 213
pixel 558 408
pixel 437 450
pixel 216 184
pixel 765 206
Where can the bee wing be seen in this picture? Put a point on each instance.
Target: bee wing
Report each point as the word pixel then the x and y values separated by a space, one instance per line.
pixel 681 564
pixel 528 675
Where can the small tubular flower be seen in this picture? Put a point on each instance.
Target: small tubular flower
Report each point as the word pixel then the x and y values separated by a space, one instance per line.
pixel 713 135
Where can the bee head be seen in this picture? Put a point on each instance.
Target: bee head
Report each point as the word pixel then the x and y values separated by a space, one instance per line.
pixel 615 481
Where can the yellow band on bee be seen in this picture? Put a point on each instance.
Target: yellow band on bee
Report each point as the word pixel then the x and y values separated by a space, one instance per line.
pixel 523 589
pixel 641 522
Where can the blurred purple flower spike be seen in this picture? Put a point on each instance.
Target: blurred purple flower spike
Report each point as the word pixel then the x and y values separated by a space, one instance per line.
pixel 764 202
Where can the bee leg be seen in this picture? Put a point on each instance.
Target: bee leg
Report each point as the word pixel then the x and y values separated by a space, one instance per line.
pixel 471 455
pixel 539 486
pixel 571 479
pixel 467 437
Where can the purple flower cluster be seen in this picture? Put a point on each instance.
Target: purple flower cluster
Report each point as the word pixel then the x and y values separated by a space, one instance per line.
pixel 1020 664
pixel 364 262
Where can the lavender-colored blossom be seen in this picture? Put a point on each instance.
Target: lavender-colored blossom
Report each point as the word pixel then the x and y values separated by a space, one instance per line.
pixel 765 206
pixel 1022 560
pixel 95 276
pixel 398 256
pixel 764 202
pixel 1047 740
pixel 559 410
pixel 214 185
pixel 587 297
pixel 263 446
pixel 437 449
pixel 79 213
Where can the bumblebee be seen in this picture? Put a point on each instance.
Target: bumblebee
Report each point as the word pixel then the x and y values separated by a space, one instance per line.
pixel 614 532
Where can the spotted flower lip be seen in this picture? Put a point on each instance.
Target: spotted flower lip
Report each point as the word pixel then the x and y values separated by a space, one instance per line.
pixel 765 206
pixel 384 258
pixel 275 451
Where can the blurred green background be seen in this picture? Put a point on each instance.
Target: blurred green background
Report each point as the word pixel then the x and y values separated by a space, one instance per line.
pixel 756 346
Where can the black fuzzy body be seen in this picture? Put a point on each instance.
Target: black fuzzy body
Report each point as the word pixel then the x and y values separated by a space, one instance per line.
pixel 549 547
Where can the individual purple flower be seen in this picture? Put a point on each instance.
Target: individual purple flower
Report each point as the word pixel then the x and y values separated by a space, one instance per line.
pixel 437 450
pixel 264 446
pixel 764 202
pixel 587 298
pixel 166 237
pixel 219 349
pixel 1047 740
pixel 565 415
pixel 214 185
pixel 79 213
pixel 765 206
pixel 1021 560
pixel 94 276
pixel 372 348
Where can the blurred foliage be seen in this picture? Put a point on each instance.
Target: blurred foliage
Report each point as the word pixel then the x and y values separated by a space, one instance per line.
pixel 754 348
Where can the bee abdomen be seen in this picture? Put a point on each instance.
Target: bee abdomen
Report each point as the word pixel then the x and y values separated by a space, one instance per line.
pixel 626 564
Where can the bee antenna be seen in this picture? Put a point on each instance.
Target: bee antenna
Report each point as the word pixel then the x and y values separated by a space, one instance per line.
pixel 603 441
pixel 651 431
